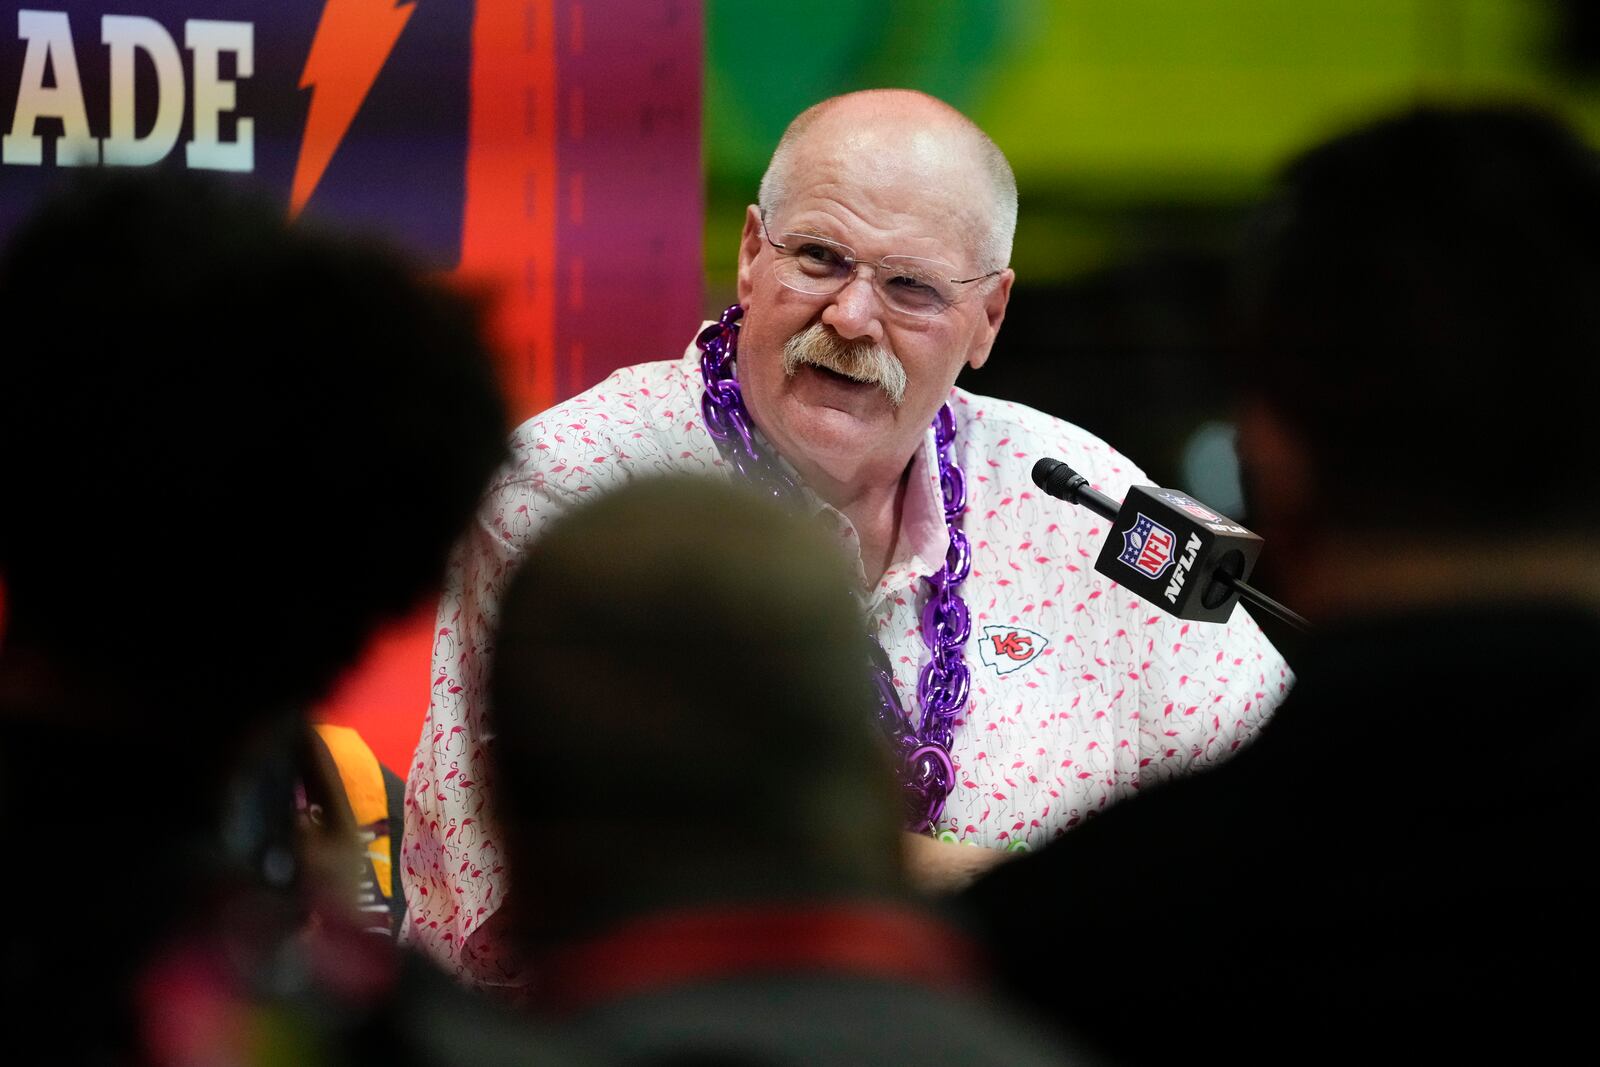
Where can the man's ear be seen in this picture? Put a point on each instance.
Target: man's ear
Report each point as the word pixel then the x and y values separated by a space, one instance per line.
pixel 749 248
pixel 994 313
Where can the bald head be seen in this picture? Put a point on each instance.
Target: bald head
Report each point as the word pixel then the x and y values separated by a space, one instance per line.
pixel 901 128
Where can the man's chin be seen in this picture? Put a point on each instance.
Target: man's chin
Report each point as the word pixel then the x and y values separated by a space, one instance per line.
pixel 833 438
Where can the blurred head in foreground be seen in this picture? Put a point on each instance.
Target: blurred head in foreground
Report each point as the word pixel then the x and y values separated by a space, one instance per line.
pixel 229 448
pixel 679 715
pixel 1421 342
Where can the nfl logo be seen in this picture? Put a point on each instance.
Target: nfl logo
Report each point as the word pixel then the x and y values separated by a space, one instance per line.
pixel 1147 547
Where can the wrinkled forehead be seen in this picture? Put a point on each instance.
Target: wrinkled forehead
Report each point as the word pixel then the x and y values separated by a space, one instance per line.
pixel 889 191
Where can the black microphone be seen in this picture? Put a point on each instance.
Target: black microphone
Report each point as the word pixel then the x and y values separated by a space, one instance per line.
pixel 1169 548
pixel 1064 483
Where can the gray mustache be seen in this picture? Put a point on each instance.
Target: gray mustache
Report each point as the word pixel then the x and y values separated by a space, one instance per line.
pixel 861 361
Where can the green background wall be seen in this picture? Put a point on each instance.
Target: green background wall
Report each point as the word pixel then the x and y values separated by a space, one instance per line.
pixel 1142 133
pixel 1108 108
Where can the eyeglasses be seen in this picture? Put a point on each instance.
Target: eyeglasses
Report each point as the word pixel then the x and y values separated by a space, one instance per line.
pixel 819 267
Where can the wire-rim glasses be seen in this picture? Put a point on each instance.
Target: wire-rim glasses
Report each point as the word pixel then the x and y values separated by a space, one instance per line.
pixel 912 285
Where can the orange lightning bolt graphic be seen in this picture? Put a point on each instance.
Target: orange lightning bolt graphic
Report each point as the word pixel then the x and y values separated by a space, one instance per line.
pixel 353 42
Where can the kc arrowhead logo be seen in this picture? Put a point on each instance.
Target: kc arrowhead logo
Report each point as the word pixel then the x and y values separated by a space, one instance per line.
pixel 1006 648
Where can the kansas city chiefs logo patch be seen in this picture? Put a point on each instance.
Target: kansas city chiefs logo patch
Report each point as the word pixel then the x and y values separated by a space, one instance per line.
pixel 1005 648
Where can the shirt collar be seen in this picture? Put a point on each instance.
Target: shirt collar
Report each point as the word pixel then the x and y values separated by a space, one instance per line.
pixel 924 535
pixel 924 538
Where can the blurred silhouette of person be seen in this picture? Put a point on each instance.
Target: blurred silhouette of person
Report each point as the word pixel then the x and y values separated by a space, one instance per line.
pixel 1396 868
pixel 729 887
pixel 202 409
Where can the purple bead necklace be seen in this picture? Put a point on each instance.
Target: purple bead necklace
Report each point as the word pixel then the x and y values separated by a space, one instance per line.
pixel 925 771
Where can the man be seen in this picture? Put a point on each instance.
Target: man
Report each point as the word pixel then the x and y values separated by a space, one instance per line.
pixel 872 271
pixel 761 914
pixel 1398 868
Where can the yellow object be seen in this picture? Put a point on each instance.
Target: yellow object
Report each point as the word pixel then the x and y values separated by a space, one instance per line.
pixel 362 777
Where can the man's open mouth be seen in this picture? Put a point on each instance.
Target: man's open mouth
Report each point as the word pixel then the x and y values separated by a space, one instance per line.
pixel 838 376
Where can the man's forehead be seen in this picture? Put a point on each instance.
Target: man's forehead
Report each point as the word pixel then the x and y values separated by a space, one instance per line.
pixel 885 146
pixel 914 182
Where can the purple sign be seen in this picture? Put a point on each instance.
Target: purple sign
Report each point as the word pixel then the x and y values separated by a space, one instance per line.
pixel 351 110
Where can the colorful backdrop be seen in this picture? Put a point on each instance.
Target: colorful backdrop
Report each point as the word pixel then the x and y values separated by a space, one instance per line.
pixel 553 150
pixel 545 150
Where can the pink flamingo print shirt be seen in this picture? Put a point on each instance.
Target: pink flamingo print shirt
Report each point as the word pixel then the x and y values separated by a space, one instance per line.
pixel 1081 693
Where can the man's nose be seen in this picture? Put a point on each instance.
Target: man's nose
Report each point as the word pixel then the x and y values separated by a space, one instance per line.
pixel 856 311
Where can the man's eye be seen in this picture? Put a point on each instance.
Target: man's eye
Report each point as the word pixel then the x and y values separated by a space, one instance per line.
pixel 916 293
pixel 912 284
pixel 918 290
pixel 821 255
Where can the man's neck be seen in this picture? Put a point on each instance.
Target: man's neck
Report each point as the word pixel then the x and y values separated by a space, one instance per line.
pixel 868 491
pixel 874 510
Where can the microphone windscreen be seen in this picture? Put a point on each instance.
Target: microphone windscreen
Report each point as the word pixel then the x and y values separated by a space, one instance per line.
pixel 1042 471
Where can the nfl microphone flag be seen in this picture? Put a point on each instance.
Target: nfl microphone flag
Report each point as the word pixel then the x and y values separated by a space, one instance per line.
pixel 1169 548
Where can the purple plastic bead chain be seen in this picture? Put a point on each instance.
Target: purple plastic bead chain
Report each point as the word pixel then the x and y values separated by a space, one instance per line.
pixel 926 773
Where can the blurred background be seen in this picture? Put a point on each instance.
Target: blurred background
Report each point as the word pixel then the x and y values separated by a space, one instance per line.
pixel 587 162
pixel 1142 132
